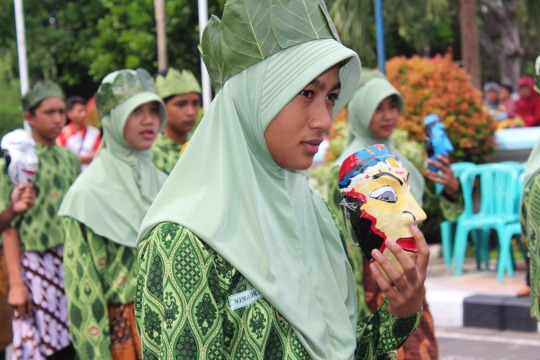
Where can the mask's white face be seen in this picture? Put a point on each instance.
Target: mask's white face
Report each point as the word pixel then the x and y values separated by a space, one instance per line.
pixel 20 151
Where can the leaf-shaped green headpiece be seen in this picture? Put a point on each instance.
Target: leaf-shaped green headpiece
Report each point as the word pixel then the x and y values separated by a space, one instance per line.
pixel 252 30
pixel 39 92
pixel 177 83
pixel 537 75
pixel 121 85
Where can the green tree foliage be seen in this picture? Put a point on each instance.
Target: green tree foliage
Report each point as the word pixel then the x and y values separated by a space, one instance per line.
pixel 417 25
pixel 10 108
pixel 78 42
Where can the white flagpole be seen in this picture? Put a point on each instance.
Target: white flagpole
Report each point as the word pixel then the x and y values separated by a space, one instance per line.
pixel 21 50
pixel 206 86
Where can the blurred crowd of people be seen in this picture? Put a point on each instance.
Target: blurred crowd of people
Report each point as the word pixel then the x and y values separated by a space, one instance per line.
pixel 510 108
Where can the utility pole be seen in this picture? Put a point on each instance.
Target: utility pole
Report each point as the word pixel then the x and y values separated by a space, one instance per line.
pixel 21 52
pixel 159 6
pixel 205 78
pixel 381 47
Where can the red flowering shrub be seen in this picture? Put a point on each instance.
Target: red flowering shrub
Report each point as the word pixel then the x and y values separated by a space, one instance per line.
pixel 437 85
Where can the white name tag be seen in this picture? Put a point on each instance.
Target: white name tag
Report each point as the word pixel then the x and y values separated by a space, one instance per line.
pixel 244 298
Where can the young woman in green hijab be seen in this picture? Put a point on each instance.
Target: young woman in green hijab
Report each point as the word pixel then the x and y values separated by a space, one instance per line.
pixel 244 259
pixel 373 115
pixel 103 211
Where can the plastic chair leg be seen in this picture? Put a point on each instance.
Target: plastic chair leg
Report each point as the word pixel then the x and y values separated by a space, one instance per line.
pixel 446 238
pixel 484 247
pixel 476 236
pixel 459 248
pixel 504 263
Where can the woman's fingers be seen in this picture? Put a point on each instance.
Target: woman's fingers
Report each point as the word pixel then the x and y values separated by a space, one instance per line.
pixel 422 260
pixel 444 159
pixel 386 287
pixel 393 274
pixel 409 267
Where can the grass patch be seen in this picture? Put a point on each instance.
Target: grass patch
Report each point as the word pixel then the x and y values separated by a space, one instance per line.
pixel 11 116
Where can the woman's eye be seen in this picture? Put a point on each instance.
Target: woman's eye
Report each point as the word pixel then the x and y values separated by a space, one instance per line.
pixel 385 193
pixel 333 97
pixel 307 93
pixel 155 110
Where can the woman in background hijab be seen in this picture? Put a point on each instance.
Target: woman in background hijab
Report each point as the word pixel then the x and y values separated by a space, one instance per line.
pixel 103 212
pixel 528 105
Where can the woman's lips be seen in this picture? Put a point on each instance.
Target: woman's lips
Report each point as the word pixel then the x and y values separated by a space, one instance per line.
pixel 388 127
pixel 147 134
pixel 312 146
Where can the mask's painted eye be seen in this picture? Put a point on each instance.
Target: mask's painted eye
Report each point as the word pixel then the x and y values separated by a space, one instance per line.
pixel 385 193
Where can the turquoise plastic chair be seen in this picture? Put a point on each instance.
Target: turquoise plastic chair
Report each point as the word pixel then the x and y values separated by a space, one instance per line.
pixel 506 257
pixel 497 210
pixel 481 237
pixel 447 226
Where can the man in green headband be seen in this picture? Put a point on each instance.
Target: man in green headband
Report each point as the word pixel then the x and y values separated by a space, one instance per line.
pixel 181 92
pixel 34 243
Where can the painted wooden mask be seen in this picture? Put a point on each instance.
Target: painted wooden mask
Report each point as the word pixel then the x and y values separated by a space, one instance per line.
pixel 377 202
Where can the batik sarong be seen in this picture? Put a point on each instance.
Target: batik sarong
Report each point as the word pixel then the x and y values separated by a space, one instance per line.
pixel 46 330
pixel 125 341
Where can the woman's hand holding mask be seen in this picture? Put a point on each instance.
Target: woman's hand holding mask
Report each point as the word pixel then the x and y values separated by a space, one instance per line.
pixel 406 292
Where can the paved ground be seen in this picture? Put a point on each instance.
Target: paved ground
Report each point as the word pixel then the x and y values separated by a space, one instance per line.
pixel 481 344
pixel 445 291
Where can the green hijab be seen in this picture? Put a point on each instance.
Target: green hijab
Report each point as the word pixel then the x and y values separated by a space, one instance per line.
pixel 373 89
pixel 263 219
pixel 113 194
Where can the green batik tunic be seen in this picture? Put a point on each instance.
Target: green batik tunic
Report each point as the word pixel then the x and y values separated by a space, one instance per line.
pixel 437 208
pixel 39 227
pixel 165 153
pixel 183 312
pixel 98 273
pixel 530 224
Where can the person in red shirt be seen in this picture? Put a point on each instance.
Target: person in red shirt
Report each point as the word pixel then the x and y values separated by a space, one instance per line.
pixel 76 136
pixel 528 105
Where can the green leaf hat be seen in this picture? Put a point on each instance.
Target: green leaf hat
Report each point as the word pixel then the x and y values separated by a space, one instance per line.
pixel 176 82
pixel 121 85
pixel 41 91
pixel 253 30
